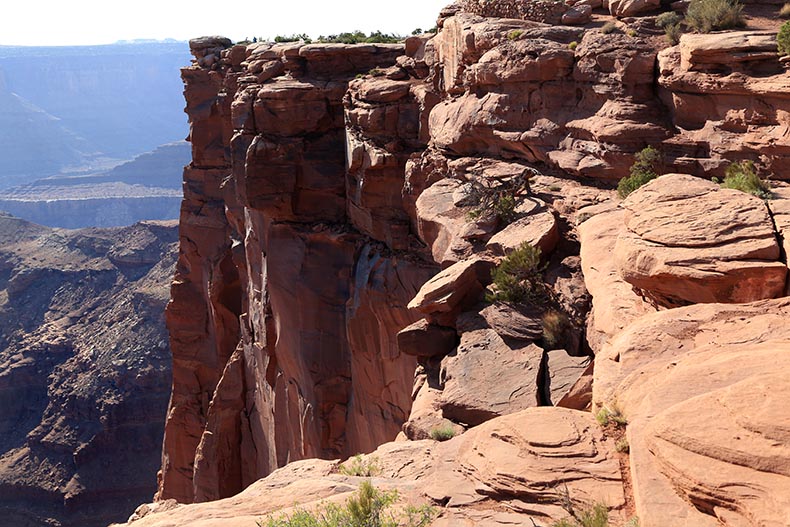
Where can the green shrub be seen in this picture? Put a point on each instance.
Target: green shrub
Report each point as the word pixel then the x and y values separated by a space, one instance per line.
pixel 611 415
pixel 555 329
pixel 705 16
pixel 573 45
pixel 783 39
pixel 293 38
pixel 644 169
pixel 784 12
pixel 667 19
pixel 442 432
pixel 513 35
pixel 594 516
pixel 609 27
pixel 742 176
pixel 357 466
pixel 622 445
pixel 518 278
pixel 670 22
pixel 359 37
pixel 368 507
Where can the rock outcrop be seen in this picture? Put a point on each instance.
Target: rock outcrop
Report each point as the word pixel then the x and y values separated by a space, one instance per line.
pixel 343 214
pixel 84 370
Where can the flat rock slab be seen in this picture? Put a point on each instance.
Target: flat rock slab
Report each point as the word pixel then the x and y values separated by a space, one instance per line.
pixel 454 288
pixel 686 240
pixel 487 378
pixel 538 229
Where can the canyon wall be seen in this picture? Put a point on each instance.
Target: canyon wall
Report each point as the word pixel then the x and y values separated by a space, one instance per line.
pixel 328 297
pixel 84 370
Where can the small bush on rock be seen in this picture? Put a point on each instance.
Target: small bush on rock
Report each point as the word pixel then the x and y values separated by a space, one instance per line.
pixel 610 416
pixel 595 516
pixel 742 176
pixel 609 27
pixel 644 169
pixel 705 16
pixel 368 507
pixel 518 278
pixel 357 466
pixel 670 22
pixel 555 329
pixel 783 39
pixel 581 515
pixel 442 432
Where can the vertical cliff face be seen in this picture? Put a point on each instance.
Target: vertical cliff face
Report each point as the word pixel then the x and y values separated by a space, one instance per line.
pixel 293 277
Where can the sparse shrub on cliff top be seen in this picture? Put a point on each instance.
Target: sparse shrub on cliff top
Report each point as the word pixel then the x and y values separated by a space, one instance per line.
pixel 705 16
pixel 518 277
pixel 742 176
pixel 783 39
pixel 644 169
pixel 609 27
pixel 670 22
pixel 368 507
pixel 358 466
pixel 359 37
pixel 293 38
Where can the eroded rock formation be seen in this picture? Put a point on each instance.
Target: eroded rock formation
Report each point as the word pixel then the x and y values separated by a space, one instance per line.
pixel 330 287
pixel 84 370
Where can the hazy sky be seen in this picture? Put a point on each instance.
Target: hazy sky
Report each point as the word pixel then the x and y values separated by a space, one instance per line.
pixel 75 22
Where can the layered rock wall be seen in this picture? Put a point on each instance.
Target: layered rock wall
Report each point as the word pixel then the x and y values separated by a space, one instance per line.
pixel 332 269
pixel 292 280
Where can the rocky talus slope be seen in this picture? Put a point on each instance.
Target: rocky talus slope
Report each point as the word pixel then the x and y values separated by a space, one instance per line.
pixel 84 370
pixel 329 294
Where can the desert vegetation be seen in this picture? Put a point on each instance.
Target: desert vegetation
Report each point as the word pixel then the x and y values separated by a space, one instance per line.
pixel 704 16
pixel 358 466
pixel 645 168
pixel 518 278
pixel 350 37
pixel 442 432
pixel 368 507
pixel 783 38
pixel 743 176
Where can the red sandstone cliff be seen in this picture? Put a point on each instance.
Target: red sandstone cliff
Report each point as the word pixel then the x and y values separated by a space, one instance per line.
pixel 327 252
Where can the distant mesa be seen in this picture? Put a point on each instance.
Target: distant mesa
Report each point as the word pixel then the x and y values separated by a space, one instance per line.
pixel 148 187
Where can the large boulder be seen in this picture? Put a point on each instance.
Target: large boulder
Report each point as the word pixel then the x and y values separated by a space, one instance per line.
pixel 686 240
pixel 487 377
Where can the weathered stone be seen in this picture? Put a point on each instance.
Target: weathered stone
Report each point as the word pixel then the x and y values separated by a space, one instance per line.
pixel 475 392
pixel 687 240
pixel 423 339
pixel 453 289
pixel 562 373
